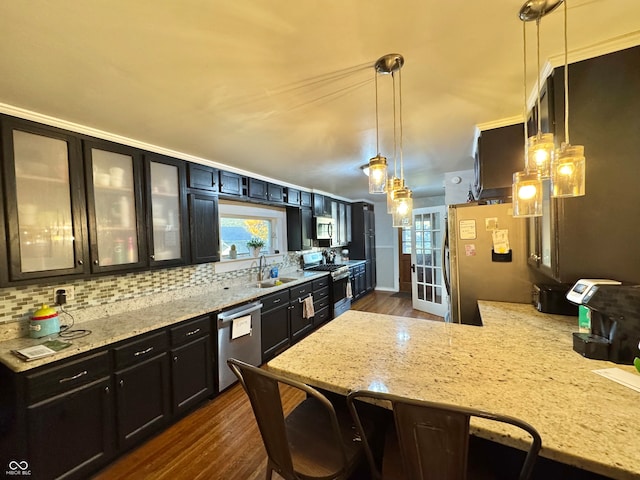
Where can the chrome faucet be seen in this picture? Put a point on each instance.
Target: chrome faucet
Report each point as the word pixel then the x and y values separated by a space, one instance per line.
pixel 260 267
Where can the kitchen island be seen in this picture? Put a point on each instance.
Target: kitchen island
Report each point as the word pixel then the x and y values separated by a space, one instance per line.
pixel 520 363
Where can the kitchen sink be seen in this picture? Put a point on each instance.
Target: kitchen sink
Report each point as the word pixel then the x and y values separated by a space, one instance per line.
pixel 273 282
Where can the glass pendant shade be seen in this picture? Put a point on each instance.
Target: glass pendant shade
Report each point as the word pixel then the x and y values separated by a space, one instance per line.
pixel 377 174
pixel 568 172
pixel 541 152
pixel 527 194
pixel 402 208
pixel 394 183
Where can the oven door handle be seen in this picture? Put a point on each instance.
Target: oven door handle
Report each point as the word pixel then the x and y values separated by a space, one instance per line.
pixel 341 276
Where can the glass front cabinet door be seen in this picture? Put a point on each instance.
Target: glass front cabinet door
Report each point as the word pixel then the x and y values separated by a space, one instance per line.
pixel 114 192
pixel 44 201
pixel 167 208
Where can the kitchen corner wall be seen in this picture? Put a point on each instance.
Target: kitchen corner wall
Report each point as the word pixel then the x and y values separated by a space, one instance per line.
pixel 109 295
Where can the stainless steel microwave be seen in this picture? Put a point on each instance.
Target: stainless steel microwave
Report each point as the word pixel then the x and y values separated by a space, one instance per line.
pixel 324 228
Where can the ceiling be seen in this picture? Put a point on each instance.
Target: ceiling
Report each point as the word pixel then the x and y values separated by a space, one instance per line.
pixel 285 89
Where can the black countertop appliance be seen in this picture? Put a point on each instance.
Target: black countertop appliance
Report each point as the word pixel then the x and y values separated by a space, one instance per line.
pixel 615 324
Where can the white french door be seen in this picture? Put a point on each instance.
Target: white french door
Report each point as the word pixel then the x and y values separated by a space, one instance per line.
pixel 427 280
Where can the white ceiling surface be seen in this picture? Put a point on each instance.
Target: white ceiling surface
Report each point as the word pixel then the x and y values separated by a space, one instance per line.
pixel 285 89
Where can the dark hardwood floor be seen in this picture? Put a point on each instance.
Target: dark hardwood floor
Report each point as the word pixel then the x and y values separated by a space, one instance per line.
pixel 220 439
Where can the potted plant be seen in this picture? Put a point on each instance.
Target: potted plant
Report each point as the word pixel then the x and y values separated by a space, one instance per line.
pixel 233 252
pixel 256 244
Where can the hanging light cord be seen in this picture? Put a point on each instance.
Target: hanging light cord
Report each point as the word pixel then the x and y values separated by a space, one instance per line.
pixel 524 102
pixel 400 116
pixel 375 72
pixel 566 80
pixel 395 146
pixel 538 74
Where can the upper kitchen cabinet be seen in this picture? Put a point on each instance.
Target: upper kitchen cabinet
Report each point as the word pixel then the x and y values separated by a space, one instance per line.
pixel 114 200
pixel 305 199
pixel 595 236
pixel 44 202
pixel 500 152
pixel 341 214
pixel 168 231
pixel 321 205
pixel 202 177
pixel 204 227
pixel 232 184
pixel 293 196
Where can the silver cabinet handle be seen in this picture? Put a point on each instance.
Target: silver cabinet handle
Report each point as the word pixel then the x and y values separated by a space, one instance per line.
pixel 277 300
pixel 143 352
pixel 121 383
pixel 193 332
pixel 74 377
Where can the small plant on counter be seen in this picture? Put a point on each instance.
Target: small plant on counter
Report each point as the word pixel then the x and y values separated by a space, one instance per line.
pixel 255 242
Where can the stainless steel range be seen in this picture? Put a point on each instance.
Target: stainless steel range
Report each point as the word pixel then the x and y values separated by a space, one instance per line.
pixel 340 296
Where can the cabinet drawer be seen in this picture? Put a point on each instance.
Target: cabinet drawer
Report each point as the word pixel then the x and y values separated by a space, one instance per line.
pixel 275 300
pixel 190 330
pixel 300 291
pixel 320 303
pixel 140 349
pixel 67 376
pixel 323 292
pixel 320 283
pixel 321 316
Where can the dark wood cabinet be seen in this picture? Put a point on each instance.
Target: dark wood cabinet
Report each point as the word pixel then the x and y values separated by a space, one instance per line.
pixel 71 435
pixel 357 276
pixel 305 199
pixel 299 228
pixel 44 203
pixel 202 177
pixel 166 207
pixel 191 364
pixel 203 227
pixel 142 388
pixel 257 189
pixel 321 205
pixel 363 242
pixel 73 402
pixel 275 193
pixel 232 183
pixel 283 319
pixel 604 107
pixel 499 154
pixel 293 196
pixel 116 214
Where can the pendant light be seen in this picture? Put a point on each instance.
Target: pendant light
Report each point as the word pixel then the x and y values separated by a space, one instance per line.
pixel 541 147
pixel 402 202
pixel 568 166
pixel 377 164
pixel 527 186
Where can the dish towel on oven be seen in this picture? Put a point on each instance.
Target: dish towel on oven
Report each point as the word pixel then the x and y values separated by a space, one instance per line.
pixel 349 291
pixel 307 307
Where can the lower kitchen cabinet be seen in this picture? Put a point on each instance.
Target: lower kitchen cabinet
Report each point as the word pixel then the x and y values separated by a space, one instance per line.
pixel 69 419
pixel 358 281
pixel 283 321
pixel 142 398
pixel 191 365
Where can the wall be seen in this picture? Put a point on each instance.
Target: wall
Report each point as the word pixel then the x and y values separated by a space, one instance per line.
pixel 109 295
pixel 455 193
pixel 387 247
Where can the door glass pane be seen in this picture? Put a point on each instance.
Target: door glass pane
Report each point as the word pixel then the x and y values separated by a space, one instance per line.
pixel 44 202
pixel 115 208
pixel 165 211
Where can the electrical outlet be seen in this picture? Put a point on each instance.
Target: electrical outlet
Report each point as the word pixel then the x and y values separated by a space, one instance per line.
pixel 68 290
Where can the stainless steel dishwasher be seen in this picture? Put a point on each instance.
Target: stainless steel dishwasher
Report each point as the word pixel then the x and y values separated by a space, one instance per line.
pixel 238 337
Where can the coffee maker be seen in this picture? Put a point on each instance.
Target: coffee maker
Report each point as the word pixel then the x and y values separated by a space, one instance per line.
pixel 615 323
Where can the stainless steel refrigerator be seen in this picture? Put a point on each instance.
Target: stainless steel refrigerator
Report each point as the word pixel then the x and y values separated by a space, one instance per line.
pixel 474 269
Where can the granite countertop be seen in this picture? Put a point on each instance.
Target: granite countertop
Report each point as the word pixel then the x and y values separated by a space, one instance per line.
pixel 520 363
pixel 111 329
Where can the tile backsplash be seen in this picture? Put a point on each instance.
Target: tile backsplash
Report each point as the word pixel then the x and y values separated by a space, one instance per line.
pixel 108 295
